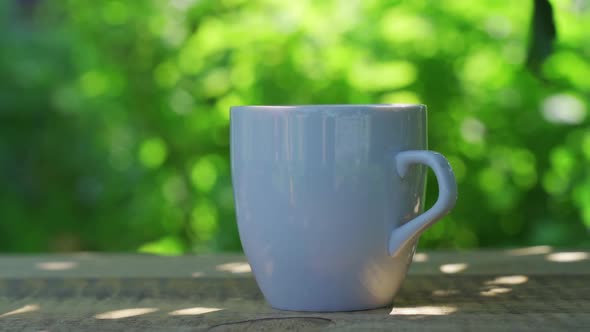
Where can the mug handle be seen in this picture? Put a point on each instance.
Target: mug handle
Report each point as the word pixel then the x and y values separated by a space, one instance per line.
pixel 447 196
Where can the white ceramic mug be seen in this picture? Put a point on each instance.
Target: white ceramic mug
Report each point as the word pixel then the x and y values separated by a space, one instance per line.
pixel 329 200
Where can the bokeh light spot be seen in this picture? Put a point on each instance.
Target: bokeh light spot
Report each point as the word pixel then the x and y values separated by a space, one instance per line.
pixel 181 102
pixel 569 66
pixel 188 60
pixel 382 76
pixel 484 67
pixel 224 104
pixel 216 83
pixel 523 165
pixel 94 83
pixel 204 174
pixel 554 183
pixel 491 180
pixel 204 220
pixel 174 189
pixel 242 74
pixel 153 152
pixel 473 130
pixel 400 26
pixel 563 160
pixel 166 74
pixel 498 26
pixel 564 109
pixel 115 12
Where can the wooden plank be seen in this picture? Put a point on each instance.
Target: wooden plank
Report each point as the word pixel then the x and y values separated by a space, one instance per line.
pixel 537 288
pixel 537 260
pixel 433 302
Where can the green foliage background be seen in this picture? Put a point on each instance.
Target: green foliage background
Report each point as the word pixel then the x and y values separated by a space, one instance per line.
pixel 114 114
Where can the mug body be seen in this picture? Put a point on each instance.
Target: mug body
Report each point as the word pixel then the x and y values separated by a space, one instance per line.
pixel 317 197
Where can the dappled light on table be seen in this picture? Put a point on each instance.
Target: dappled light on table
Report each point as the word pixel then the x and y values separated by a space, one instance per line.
pixel 122 292
pixel 495 291
pixel 193 311
pixel 453 268
pixel 56 266
pixel 420 257
pixel 425 310
pixel 509 280
pixel 235 267
pixel 566 257
pixel 445 292
pixel 25 309
pixel 124 313
pixel 536 250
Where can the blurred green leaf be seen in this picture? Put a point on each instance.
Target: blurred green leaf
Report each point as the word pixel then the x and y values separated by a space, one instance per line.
pixel 165 246
pixel 114 115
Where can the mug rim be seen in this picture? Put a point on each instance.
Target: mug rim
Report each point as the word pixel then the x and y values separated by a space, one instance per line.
pixel 330 107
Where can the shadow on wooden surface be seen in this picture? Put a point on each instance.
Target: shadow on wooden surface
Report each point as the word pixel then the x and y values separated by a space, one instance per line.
pixel 237 304
pixel 535 288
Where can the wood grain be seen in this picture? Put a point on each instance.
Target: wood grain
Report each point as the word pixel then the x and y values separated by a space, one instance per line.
pixel 483 290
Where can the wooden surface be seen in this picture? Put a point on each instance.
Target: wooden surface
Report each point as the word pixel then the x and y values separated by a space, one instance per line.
pixel 537 288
